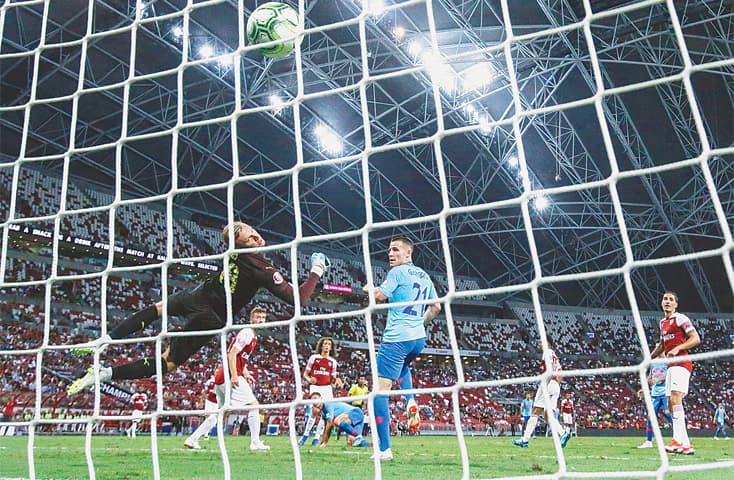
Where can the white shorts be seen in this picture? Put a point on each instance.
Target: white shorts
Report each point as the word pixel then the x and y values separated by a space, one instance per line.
pixel 567 418
pixel 325 390
pixel 210 407
pixel 242 394
pixel 676 380
pixel 554 391
pixel 136 416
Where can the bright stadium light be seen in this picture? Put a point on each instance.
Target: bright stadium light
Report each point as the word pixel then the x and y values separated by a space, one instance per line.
pixel 177 31
pixel 398 32
pixel 513 161
pixel 206 51
pixel 328 139
pixel 440 72
pixel 225 61
pixel 415 49
pixel 484 125
pixel 541 203
pixel 277 102
pixel 376 7
pixel 477 76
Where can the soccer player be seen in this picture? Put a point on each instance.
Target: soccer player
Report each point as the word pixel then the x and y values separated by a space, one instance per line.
pixel 526 408
pixel 242 346
pixel 404 336
pixel 211 404
pixel 720 418
pixel 320 372
pixel 656 380
pixel 139 399
pixel 677 336
pixel 549 362
pixel 359 389
pixel 204 307
pixel 346 418
pixel 567 413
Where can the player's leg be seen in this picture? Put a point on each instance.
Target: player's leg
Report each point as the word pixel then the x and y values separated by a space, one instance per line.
pixel 538 409
pixel 311 419
pixel 137 321
pixel 243 396
pixel 192 441
pixel 201 317
pixel 677 388
pixel 405 382
pixel 356 419
pixel 390 360
pixel 308 427
pixel 326 394
pixel 208 424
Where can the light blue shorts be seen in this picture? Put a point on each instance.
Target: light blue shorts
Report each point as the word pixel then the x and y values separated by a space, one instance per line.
pixel 394 356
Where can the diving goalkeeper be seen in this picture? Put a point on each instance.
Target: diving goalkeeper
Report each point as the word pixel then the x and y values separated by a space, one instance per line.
pixel 204 307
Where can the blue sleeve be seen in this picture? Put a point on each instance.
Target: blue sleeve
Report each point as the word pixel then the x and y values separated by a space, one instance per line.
pixel 328 412
pixel 390 284
pixel 432 291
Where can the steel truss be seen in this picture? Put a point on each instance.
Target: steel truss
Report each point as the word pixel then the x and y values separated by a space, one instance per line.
pixel 664 214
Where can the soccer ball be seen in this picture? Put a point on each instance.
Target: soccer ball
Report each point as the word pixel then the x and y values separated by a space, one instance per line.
pixel 273 21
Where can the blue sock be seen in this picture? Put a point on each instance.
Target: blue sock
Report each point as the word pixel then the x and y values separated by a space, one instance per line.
pixel 405 382
pixel 348 429
pixel 669 418
pixel 649 430
pixel 382 418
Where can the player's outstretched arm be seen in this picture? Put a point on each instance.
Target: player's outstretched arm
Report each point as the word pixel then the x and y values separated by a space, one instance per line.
pixel 431 312
pixel 277 285
pixel 327 433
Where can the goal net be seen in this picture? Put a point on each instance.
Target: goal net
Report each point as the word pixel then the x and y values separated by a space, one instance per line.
pixel 558 164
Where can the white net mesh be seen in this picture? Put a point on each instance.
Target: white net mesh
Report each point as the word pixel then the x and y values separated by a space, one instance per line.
pixel 113 238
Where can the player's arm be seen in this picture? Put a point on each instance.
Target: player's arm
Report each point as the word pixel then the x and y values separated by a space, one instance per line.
pixel 431 312
pixel 692 340
pixel 379 296
pixel 274 281
pixel 232 365
pixel 334 377
pixel 433 309
pixel 386 289
pixel 307 372
pixel 327 433
pixel 658 350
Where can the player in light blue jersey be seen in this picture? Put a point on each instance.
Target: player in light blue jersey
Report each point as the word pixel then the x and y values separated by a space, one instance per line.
pixel 526 408
pixel 656 380
pixel 404 335
pixel 720 418
pixel 346 418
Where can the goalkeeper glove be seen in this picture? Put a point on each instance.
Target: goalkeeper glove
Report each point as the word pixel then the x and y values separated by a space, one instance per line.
pixel 90 347
pixel 319 264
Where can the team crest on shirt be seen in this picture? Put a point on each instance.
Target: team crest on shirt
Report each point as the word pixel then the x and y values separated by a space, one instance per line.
pixel 277 278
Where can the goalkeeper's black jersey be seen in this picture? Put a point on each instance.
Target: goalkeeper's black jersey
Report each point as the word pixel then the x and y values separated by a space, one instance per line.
pixel 248 272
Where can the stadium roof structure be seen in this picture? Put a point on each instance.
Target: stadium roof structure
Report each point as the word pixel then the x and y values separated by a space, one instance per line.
pixel 186 126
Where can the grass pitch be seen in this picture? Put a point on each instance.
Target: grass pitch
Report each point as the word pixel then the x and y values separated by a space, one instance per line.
pixel 434 458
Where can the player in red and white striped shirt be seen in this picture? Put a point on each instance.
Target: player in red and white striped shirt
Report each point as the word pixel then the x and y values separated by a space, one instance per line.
pixel 677 336
pixel 549 362
pixel 139 399
pixel 320 372
pixel 240 379
pixel 567 412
